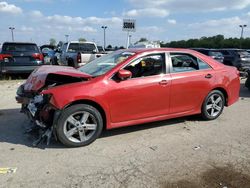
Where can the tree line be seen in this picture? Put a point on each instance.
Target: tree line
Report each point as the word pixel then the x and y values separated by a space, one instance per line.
pixel 218 41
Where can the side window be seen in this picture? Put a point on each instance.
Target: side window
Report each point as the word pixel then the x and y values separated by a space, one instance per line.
pixel 202 65
pixel 182 62
pixel 147 66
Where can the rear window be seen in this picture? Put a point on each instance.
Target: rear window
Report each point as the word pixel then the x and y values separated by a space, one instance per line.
pixel 20 48
pixel 81 47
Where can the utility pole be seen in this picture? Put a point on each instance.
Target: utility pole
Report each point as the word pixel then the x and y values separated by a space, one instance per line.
pixel 104 27
pixel 242 31
pixel 67 38
pixel 12 33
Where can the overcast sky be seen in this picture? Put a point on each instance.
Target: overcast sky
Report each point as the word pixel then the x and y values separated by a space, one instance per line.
pixel 166 20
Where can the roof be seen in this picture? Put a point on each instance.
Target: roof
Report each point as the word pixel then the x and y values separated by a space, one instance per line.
pixel 81 42
pixel 141 50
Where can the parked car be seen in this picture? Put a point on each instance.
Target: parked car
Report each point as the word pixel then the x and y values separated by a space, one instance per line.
pixel 100 49
pixel 77 53
pixel 212 53
pixel 49 52
pixel 26 57
pixel 236 57
pixel 247 83
pixel 124 88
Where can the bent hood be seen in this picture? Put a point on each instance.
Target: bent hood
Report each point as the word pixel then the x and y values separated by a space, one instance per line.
pixel 48 75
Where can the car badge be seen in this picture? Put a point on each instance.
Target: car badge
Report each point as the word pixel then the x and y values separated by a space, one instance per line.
pixel 21 54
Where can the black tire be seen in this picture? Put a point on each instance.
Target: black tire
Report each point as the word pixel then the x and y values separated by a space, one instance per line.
pixel 62 128
pixel 207 103
pixel 71 63
pixel 247 83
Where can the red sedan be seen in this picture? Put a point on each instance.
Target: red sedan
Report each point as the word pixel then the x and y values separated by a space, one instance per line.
pixel 125 88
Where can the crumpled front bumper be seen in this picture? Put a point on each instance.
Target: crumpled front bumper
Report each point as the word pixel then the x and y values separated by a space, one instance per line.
pixel 42 114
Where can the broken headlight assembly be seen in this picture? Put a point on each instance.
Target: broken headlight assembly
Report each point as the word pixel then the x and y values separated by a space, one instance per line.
pixel 37 103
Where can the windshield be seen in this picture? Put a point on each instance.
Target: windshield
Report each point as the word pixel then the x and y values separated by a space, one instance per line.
pixel 105 63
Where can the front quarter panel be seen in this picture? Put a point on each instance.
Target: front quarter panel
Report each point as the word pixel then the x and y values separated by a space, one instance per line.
pixel 64 95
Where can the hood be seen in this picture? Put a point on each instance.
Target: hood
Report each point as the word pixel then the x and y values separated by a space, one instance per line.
pixel 50 75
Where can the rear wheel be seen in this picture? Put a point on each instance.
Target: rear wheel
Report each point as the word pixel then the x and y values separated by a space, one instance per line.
pixel 79 125
pixel 213 105
pixel 71 63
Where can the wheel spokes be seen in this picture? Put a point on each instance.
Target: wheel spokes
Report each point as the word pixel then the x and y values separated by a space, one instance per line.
pixel 71 132
pixel 85 117
pixel 218 100
pixel 209 106
pixel 82 136
pixel 218 108
pixel 90 127
pixel 72 120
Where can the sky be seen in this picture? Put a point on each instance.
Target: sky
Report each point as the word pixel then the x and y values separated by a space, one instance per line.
pixel 157 20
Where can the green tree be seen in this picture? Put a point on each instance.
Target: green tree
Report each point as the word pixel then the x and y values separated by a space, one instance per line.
pixel 109 46
pixel 142 40
pixel 82 40
pixel 217 41
pixel 52 41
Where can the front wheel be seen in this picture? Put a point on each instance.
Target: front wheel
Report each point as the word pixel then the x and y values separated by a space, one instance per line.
pixel 79 125
pixel 213 105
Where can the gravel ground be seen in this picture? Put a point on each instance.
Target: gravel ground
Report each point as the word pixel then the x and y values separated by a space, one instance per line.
pixel 184 152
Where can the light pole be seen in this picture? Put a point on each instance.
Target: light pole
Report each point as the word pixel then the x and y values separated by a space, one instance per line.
pixel 104 27
pixel 12 33
pixel 67 38
pixel 130 36
pixel 242 31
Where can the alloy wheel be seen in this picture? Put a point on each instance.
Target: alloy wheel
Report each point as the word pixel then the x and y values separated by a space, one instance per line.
pixel 214 105
pixel 80 127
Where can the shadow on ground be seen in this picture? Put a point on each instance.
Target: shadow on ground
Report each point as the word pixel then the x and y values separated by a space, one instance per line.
pixel 13 125
pixel 217 177
pixel 14 76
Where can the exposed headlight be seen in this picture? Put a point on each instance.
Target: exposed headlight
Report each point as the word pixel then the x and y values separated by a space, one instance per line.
pixel 38 99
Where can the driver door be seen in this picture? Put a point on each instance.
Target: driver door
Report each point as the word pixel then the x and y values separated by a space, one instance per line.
pixel 144 95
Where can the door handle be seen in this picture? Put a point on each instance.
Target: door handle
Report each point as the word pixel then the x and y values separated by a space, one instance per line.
pixel 208 76
pixel 163 82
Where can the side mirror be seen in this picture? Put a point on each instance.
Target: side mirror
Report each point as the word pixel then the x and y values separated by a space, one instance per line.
pixel 124 74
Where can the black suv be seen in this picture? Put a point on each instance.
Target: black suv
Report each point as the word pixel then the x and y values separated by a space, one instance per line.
pixel 236 57
pixel 212 53
pixel 25 57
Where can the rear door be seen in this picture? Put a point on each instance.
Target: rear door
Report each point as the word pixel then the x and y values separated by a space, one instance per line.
pixel 192 79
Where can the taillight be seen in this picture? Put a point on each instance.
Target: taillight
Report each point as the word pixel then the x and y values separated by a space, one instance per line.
pixel 3 56
pixel 79 58
pixel 38 56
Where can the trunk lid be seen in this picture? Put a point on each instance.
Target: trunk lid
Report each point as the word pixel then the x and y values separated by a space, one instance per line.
pixel 47 75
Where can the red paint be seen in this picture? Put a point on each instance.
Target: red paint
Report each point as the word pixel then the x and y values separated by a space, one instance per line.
pixel 144 99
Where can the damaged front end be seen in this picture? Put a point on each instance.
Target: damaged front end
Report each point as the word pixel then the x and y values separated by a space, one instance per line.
pixel 40 112
pixel 37 106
